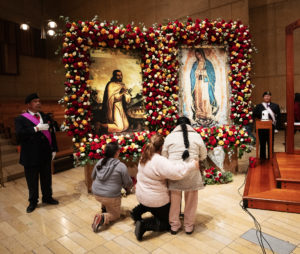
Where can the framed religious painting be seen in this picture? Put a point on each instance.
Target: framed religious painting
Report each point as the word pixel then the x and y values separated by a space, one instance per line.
pixel 199 68
pixel 204 86
pixel 117 101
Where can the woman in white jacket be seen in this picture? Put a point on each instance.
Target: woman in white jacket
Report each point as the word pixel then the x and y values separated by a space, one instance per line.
pixel 184 144
pixel 151 188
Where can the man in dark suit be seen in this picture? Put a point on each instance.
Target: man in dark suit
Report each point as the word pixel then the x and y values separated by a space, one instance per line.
pixel 36 136
pixel 273 112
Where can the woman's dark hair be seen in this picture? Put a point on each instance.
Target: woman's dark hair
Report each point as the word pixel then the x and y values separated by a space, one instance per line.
pixel 109 152
pixel 183 121
pixel 201 51
pixel 155 145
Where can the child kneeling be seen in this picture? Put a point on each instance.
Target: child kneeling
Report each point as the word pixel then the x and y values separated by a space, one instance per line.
pixel 109 175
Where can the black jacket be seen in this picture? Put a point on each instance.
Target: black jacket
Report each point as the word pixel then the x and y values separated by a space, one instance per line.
pixel 257 112
pixel 35 147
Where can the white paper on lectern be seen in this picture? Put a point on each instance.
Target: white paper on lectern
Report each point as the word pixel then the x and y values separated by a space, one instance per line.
pixel 265 116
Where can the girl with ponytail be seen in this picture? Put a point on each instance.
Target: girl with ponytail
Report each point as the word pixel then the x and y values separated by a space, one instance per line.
pixel 109 175
pixel 151 188
pixel 184 144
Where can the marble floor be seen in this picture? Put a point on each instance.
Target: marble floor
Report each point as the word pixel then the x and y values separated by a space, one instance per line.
pixel 66 228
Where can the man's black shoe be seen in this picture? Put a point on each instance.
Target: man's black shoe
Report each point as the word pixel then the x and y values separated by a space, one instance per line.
pixel 31 208
pixel 51 201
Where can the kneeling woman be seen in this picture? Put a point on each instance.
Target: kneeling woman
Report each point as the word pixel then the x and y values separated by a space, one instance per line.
pixel 109 175
pixel 151 188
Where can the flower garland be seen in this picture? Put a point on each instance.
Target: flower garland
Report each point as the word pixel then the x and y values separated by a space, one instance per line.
pixel 228 137
pixel 159 46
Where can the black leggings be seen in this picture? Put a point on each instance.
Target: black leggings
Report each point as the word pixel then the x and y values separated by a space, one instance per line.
pixel 161 214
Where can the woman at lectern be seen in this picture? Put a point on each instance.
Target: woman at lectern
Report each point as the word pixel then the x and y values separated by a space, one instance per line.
pixel 272 112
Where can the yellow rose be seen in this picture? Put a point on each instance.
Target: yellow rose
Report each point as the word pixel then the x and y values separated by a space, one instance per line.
pixel 221 142
pixel 85 29
pixel 68 75
pixel 237 142
pixel 220 134
pixel 166 88
pixel 140 138
pixel 84 122
pixel 110 36
pixel 240 98
pixel 103 31
pixel 103 44
pixel 73 96
pixel 242 132
pixel 80 110
pixel 75 124
pixel 108 140
pixel 230 133
pixel 116 41
pixel 68 34
pixel 117 31
pixel 83 140
pixel 82 149
pixel 79 40
pixel 213 38
pixel 77 77
pixel 66 98
pixel 152 49
pixel 137 40
pixel 77 144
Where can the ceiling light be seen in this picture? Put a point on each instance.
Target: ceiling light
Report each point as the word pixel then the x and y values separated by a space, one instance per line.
pixel 51 32
pixel 24 27
pixel 52 24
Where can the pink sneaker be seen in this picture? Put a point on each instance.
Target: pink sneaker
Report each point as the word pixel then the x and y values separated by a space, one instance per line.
pixel 98 222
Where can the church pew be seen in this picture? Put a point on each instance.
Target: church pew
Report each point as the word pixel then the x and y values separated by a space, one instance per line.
pixel 65 152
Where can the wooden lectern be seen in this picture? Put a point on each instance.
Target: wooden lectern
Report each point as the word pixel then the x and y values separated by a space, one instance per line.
pixel 264 125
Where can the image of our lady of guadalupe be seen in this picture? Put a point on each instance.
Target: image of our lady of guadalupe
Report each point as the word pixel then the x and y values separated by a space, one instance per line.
pixel 203 79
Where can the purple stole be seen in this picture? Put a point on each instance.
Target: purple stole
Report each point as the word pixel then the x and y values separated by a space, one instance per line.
pixel 32 119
